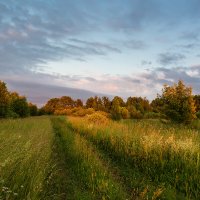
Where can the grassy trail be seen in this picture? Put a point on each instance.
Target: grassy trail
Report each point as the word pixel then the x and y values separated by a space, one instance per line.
pixel 45 158
pixel 89 177
pixel 154 165
pixel 136 184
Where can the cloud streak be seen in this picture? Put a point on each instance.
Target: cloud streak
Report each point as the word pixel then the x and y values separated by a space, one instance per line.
pixel 170 58
pixel 124 34
pixel 146 84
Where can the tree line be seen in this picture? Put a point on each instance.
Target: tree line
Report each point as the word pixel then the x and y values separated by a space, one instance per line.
pixel 12 105
pixel 176 103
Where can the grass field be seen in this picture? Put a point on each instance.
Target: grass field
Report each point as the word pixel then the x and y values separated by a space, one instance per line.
pixel 74 158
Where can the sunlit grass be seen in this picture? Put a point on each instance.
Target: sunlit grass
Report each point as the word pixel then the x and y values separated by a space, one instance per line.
pixel 85 163
pixel 166 155
pixel 80 158
pixel 25 150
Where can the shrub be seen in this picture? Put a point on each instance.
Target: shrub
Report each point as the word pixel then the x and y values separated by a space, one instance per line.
pixel 62 112
pixel 97 118
pixel 136 115
pixel 179 105
pixel 152 115
pixel 81 112
pixel 124 113
pixel 198 114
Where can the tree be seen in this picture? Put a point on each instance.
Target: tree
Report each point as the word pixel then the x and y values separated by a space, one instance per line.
pixel 19 105
pixel 4 99
pixel 89 102
pixel 33 109
pixel 41 111
pixel 65 102
pixel 106 104
pixel 51 105
pixel 197 102
pixel 120 100
pixel 157 104
pixel 179 105
pixel 79 103
pixel 140 104
pixel 92 102
pixel 116 108
pixel 124 113
pixel 100 104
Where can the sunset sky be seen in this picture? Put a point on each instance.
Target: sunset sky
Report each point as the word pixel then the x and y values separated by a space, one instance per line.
pixel 85 47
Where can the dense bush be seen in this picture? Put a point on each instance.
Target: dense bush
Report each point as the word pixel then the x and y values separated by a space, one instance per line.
pixel 98 118
pixel 152 115
pixel 179 105
pixel 198 114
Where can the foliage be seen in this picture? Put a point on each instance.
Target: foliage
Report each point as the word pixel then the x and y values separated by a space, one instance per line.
pixel 116 108
pixel 4 100
pixel 139 103
pixel 97 118
pixel 179 105
pixel 157 104
pixel 152 115
pixel 41 111
pixel 12 105
pixel 197 102
pixel 33 109
pixel 61 105
pixel 106 104
pixel 160 161
pixel 78 103
pixel 19 105
pixel 198 114
pixel 124 113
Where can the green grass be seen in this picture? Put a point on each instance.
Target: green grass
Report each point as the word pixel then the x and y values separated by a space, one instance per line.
pixel 92 179
pixel 25 151
pixel 152 158
pixel 57 158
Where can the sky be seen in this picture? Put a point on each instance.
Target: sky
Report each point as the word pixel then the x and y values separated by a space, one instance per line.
pixel 82 48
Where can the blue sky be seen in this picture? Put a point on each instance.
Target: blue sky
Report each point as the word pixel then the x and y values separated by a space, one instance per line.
pixel 87 47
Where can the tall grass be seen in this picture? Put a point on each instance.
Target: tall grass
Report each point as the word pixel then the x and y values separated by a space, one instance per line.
pixel 164 155
pixel 86 166
pixel 25 151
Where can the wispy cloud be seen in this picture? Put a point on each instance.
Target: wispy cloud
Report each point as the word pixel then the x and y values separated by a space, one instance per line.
pixel 148 83
pixel 35 33
pixel 170 58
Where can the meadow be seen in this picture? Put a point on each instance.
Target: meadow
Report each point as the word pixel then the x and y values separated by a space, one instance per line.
pixel 58 157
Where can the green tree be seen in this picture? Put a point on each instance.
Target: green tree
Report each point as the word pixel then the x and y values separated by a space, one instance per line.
pixel 116 108
pixel 120 100
pixel 33 109
pixel 106 104
pixel 89 102
pixel 157 104
pixel 4 100
pixel 141 104
pixel 92 102
pixel 65 102
pixel 197 102
pixel 19 105
pixel 79 103
pixel 179 105
pixel 124 113
pixel 51 105
pixel 100 104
